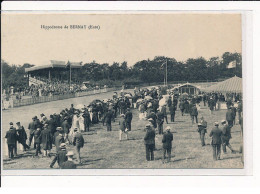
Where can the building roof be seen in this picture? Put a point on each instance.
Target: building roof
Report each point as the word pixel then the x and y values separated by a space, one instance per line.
pixel 233 84
pixel 186 85
pixel 55 64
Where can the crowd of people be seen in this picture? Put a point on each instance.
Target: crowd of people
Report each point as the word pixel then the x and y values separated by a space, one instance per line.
pixel 154 104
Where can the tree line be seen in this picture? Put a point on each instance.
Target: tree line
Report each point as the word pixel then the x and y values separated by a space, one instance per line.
pixel 145 71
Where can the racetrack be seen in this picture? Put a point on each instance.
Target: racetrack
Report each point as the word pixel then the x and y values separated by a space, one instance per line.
pixel 103 149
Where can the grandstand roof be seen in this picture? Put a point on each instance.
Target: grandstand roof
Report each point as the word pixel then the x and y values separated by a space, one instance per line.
pixel 233 84
pixel 55 64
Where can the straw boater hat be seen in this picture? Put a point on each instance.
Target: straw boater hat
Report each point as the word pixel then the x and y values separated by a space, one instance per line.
pixel 62 145
pixel 122 115
pixel 199 124
pixel 58 128
pixel 70 153
pixel 223 121
pixel 216 123
pixel 76 129
pixel 147 126
pixel 168 128
pixel 150 119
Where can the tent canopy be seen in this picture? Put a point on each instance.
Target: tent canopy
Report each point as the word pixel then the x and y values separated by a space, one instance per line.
pixel 233 84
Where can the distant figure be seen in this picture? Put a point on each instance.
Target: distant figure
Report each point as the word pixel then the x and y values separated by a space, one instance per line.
pixel 160 120
pixel 11 137
pixel 194 113
pixel 128 119
pixel 167 144
pixel 37 141
pixel 182 107
pixel 202 129
pixel 163 110
pixel 216 134
pixel 108 120
pixel 172 110
pixel 230 117
pixel 69 164
pixel 122 128
pixel 149 141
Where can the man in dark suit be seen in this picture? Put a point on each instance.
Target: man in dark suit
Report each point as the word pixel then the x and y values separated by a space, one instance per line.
pixel 216 134
pixel 194 113
pixel 226 136
pixel 230 117
pixel 11 137
pixel 167 144
pixel 22 136
pixel 128 118
pixel 172 109
pixel 32 128
pixel 37 141
pixel 87 120
pixel 160 120
pixel 78 142
pixel 149 141
pixel 108 119
pixel 164 111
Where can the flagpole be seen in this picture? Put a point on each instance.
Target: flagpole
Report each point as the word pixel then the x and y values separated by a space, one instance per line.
pixel 166 77
pixel 70 75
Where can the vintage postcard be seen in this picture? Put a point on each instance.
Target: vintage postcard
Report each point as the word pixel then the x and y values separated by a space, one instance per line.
pixel 119 91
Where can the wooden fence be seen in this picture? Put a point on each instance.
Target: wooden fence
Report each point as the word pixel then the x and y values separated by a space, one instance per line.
pixel 42 99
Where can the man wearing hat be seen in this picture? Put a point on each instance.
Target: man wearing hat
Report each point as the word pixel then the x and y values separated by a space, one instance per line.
pixel 69 164
pixel 22 136
pixel 226 136
pixel 59 139
pixel 164 111
pixel 194 113
pixel 32 128
pixel 108 119
pixel 167 144
pixel 230 117
pixel 78 142
pixel 60 156
pixel 128 118
pixel 87 120
pixel 160 120
pixel 172 110
pixel 216 135
pixel 46 140
pixel 11 137
pixel 37 141
pixel 65 128
pixel 152 119
pixel 149 141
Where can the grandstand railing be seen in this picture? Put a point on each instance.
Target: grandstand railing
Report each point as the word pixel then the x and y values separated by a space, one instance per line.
pixel 42 99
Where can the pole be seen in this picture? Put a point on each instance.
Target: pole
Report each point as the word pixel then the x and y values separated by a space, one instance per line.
pixel 166 73
pixel 70 76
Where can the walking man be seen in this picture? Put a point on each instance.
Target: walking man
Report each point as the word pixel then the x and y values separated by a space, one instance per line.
pixel 172 109
pixel 108 119
pixel 11 138
pixel 230 117
pixel 194 113
pixel 216 134
pixel 149 141
pixel 122 127
pixel 202 130
pixel 37 141
pixel 22 136
pixel 160 120
pixel 128 119
pixel 78 142
pixel 226 136
pixel 167 144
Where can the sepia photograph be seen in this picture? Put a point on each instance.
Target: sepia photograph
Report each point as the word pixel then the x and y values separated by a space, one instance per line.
pixel 133 90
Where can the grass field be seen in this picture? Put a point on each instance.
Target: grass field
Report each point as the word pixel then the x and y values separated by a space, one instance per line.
pixel 104 150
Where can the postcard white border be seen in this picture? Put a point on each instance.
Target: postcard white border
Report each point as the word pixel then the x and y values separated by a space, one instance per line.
pixel 182 7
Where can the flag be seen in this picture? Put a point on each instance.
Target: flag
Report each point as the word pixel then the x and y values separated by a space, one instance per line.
pixel 232 64
pixel 163 65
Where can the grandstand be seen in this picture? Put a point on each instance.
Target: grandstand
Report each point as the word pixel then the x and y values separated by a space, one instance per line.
pixel 55 70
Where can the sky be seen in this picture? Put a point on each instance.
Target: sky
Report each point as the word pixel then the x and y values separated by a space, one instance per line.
pixel 121 37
